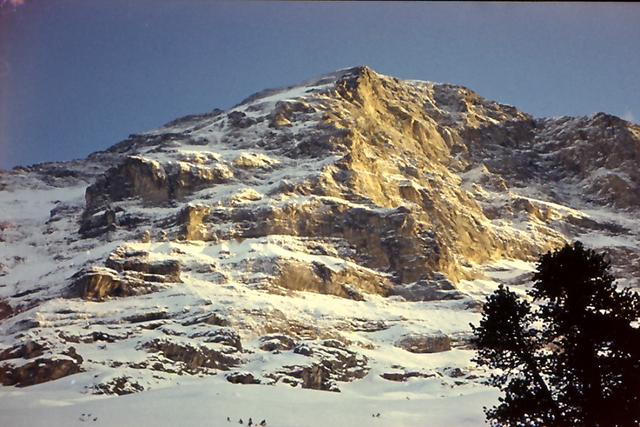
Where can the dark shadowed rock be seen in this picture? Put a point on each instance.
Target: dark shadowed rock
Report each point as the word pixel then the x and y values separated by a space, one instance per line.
pixel 38 371
pixel 97 283
pixel 27 350
pixel 316 376
pixel 242 378
pixel 226 336
pixel 98 223
pixel 153 183
pixel 332 362
pixel 41 370
pixel 404 376
pixel 215 319
pixel 100 283
pixel 5 310
pixel 124 260
pixel 276 342
pixel 119 386
pixel 239 120
pixel 134 177
pixel 147 317
pixel 193 358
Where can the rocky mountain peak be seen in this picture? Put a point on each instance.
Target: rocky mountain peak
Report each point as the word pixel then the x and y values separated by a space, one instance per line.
pixel 300 234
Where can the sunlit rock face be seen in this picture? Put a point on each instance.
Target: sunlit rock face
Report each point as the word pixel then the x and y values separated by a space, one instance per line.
pixel 307 236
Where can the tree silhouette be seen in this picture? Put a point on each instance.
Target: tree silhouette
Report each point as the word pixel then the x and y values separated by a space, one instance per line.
pixel 572 358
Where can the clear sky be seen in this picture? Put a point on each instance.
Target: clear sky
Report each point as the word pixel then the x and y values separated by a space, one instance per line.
pixel 77 76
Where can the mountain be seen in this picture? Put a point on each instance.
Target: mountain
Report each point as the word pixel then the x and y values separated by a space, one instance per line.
pixel 336 235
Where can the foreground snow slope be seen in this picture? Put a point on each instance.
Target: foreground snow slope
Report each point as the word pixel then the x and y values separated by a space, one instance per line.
pixel 210 401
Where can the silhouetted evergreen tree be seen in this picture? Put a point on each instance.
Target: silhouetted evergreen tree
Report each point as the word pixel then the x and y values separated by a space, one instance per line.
pixel 573 357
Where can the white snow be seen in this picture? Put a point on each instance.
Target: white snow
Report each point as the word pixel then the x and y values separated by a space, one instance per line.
pixel 209 401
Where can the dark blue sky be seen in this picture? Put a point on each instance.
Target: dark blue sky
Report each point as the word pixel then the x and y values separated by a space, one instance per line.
pixel 77 76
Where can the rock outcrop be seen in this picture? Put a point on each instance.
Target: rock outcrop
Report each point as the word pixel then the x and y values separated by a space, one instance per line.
pixel 439 288
pixel 119 386
pixel 331 362
pixel 40 370
pixel 152 182
pixel 124 260
pixel 193 359
pixel 276 342
pixel 126 273
pixel 97 284
pixel 433 343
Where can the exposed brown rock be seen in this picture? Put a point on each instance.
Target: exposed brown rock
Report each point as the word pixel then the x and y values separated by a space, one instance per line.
pixel 98 223
pixel 433 343
pixel 147 317
pixel 27 350
pixel 261 322
pixel 254 161
pixel 152 182
pixel 340 363
pixel 124 260
pixel 5 310
pixel 226 336
pixel 93 337
pixel 119 386
pixel 404 376
pixel 41 370
pixel 400 242
pixel 316 376
pixel 191 358
pixel 317 277
pixel 276 342
pixel 366 325
pixel 215 319
pixel 135 176
pixel 428 290
pixel 97 283
pixel 191 219
pixel 331 362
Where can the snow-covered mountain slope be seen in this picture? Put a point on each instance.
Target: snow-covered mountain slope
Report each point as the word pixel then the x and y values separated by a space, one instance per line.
pixel 334 235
